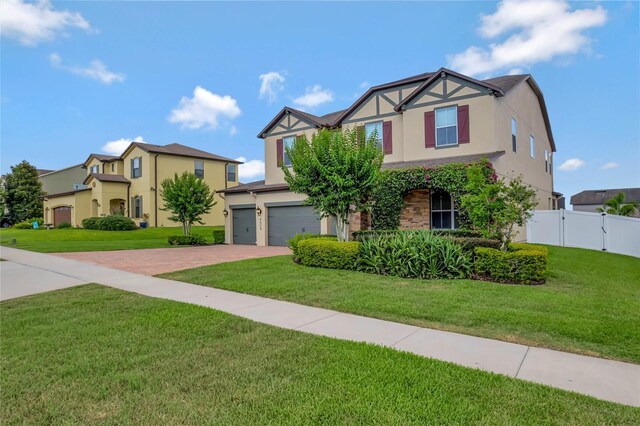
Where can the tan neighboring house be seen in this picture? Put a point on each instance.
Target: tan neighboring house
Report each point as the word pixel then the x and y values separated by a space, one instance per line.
pixel 129 184
pixel 63 180
pixel 424 120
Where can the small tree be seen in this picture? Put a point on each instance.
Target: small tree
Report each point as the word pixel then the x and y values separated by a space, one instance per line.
pixel 22 193
pixel 618 206
pixel 337 171
pixel 496 208
pixel 187 198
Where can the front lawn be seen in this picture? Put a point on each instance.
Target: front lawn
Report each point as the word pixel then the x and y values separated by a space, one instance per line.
pixel 589 305
pixel 92 354
pixel 77 239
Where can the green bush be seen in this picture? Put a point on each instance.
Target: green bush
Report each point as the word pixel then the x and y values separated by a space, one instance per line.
pixel 187 240
pixel 522 264
pixel 295 240
pixel 470 243
pixel 218 236
pixel 414 254
pixel 373 233
pixel 328 253
pixel 459 233
pixel 64 225
pixel 28 224
pixel 109 223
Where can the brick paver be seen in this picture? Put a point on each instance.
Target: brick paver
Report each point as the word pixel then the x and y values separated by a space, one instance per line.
pixel 161 260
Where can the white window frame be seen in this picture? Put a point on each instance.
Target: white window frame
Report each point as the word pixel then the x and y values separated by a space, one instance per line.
pixel 137 214
pixel 234 171
pixel 134 168
pixel 95 168
pixel 287 142
pixel 514 135
pixel 195 168
pixel 455 108
pixel 532 147
pixel 367 126
pixel 452 211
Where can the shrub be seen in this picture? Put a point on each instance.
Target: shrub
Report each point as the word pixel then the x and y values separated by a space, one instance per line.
pixel 187 240
pixel 373 233
pixel 470 243
pixel 369 233
pixel 414 254
pixel 461 233
pixel 295 240
pixel 328 253
pixel 28 224
pixel 218 236
pixel 64 225
pixel 522 264
pixel 109 223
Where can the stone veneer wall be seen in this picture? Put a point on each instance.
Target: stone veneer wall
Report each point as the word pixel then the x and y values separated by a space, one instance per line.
pixel 417 210
pixel 359 221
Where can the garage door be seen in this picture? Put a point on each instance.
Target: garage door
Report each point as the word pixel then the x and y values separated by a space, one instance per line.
pixel 285 222
pixel 244 226
pixel 61 215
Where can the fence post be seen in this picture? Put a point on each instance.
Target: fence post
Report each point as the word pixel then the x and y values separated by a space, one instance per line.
pixel 561 227
pixel 604 231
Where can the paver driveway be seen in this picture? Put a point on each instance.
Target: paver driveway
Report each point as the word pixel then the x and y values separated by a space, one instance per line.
pixel 159 261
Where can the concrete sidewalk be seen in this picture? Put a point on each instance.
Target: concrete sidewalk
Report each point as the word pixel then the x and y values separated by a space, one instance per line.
pixel 604 379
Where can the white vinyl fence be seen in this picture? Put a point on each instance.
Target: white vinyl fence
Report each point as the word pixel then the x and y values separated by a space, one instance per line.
pixel 596 231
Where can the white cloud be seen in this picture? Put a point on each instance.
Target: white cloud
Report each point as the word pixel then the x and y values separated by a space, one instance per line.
pixel 96 70
pixel 271 84
pixel 364 85
pixel 571 164
pixel 32 23
pixel 205 108
pixel 610 165
pixel 313 97
pixel 250 170
pixel 540 30
pixel 117 147
pixel 233 131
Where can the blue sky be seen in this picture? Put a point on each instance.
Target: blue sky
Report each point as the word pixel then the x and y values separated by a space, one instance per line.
pixel 78 75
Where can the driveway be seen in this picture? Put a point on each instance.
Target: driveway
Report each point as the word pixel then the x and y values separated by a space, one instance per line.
pixel 159 261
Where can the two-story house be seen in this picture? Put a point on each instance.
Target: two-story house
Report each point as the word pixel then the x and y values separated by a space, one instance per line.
pixel 62 180
pixel 424 120
pixel 129 184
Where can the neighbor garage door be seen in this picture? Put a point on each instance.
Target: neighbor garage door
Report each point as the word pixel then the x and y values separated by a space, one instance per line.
pixel 244 226
pixel 285 222
pixel 61 215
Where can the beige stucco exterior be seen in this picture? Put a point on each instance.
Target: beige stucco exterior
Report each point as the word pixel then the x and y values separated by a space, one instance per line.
pixel 80 203
pixel 63 180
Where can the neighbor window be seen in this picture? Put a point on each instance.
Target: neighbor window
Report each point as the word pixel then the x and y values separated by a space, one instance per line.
pixel 199 168
pixel 136 167
pixel 444 213
pixel 546 160
pixel 231 172
pixel 113 167
pixel 137 207
pixel 447 126
pixel 287 142
pixel 371 128
pixel 95 169
pixel 514 132
pixel 532 147
pixel 550 164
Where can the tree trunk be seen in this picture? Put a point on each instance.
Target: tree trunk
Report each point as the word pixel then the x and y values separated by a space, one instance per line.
pixel 342 227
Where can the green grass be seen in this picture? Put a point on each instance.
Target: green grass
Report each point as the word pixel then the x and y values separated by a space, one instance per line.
pixel 589 305
pixel 76 239
pixel 92 354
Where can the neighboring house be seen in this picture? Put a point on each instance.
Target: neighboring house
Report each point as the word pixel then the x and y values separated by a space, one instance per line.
pixel 129 184
pixel 424 120
pixel 592 199
pixel 63 180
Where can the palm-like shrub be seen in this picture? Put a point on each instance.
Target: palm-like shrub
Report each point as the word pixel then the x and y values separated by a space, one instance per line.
pixel 414 254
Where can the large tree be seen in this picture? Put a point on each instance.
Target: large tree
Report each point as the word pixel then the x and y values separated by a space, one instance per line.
pixel 187 198
pixel 337 171
pixel 22 195
pixel 618 206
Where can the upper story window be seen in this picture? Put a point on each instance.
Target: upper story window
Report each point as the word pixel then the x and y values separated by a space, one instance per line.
pixel 374 128
pixel 136 167
pixel 113 167
pixel 546 161
pixel 444 213
pixel 532 147
pixel 287 142
pixel 514 132
pixel 231 172
pixel 447 126
pixel 199 168
pixel 95 169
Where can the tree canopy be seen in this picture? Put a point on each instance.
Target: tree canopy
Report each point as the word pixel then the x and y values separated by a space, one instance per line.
pixel 22 193
pixel 618 206
pixel 187 198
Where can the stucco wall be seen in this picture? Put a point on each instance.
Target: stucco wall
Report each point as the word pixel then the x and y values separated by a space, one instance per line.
pixel 63 180
pixel 79 201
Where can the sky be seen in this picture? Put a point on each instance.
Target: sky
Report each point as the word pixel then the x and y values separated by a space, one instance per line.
pixel 83 77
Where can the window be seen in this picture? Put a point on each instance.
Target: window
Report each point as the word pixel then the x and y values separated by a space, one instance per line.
pixel 546 161
pixel 136 167
pixel 447 126
pixel 550 165
pixel 532 147
pixel 371 128
pixel 514 132
pixel 95 169
pixel 287 142
pixel 231 172
pixel 444 213
pixel 137 207
pixel 199 168
pixel 113 167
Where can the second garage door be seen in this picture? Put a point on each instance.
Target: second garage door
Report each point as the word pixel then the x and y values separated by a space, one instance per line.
pixel 285 222
pixel 61 215
pixel 244 226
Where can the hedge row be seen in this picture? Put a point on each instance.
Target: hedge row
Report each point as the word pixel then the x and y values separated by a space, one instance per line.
pixel 328 253
pixel 522 264
pixel 455 233
pixel 295 241
pixel 187 240
pixel 28 224
pixel 218 236
pixel 109 223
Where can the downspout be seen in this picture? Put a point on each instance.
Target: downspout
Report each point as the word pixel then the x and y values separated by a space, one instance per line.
pixel 155 172
pixel 129 200
pixel 225 174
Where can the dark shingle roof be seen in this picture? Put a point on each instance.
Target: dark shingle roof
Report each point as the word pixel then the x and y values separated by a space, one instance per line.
pixel 180 150
pixel 599 196
pixel 438 161
pixel 43 171
pixel 507 82
pixel 106 178
pixel 257 186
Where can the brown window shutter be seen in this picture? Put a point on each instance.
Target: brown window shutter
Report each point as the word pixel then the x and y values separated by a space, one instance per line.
pixel 279 152
pixel 430 129
pixel 387 138
pixel 463 124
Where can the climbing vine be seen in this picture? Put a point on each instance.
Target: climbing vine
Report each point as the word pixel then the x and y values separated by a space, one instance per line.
pixel 393 185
